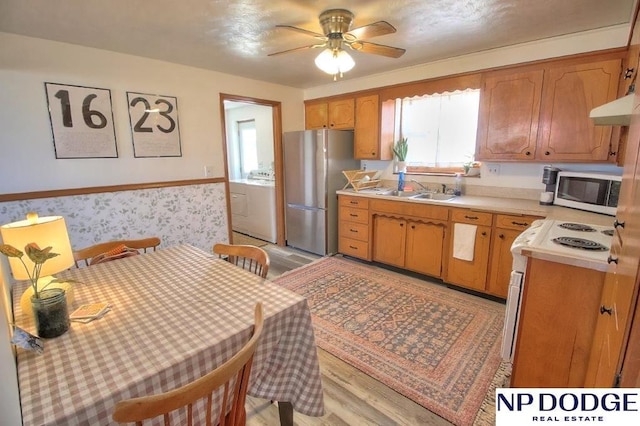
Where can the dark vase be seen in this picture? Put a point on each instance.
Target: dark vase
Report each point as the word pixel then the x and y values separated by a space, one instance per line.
pixel 50 312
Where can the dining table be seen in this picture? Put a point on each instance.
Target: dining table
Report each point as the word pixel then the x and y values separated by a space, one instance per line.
pixel 175 315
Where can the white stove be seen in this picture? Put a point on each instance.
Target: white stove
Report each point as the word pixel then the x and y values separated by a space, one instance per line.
pixel 560 241
pixel 583 244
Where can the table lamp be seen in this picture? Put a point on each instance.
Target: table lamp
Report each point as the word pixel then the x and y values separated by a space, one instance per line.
pixel 45 232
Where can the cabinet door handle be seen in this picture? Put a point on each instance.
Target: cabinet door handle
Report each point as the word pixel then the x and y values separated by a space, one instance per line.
pixel 353 215
pixel 527 153
pixel 519 223
pixel 484 234
pixel 413 227
pixel 604 310
pixel 373 153
pixel 547 153
pixel 612 260
pixel 471 217
pixel 402 224
pixel 355 231
pixel 353 248
pixel 354 202
pixel 617 224
pixel 501 236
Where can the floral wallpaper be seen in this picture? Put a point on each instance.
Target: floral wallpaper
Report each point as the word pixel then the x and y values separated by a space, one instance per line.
pixel 195 214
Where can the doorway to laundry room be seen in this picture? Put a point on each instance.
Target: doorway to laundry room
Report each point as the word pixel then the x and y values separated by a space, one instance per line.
pixel 252 133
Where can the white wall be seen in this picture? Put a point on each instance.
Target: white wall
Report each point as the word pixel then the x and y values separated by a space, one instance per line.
pixel 27 160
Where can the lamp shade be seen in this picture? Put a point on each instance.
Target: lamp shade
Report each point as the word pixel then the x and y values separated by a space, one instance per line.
pixel 334 61
pixel 45 232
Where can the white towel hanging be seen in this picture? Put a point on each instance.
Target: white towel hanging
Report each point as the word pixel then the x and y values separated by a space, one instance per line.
pixel 464 241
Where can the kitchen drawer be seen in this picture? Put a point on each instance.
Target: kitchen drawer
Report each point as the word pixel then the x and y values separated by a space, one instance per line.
pixel 358 202
pixel 521 223
pixel 472 217
pixel 349 214
pixel 354 248
pixel 357 231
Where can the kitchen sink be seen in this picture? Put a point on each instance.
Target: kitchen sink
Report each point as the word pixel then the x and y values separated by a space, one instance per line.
pixel 396 193
pixel 434 197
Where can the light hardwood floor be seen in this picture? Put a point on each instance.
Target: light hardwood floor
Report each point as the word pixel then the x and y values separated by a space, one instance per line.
pixel 350 396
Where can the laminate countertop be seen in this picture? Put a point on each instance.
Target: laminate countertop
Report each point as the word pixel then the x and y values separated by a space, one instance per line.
pixel 494 204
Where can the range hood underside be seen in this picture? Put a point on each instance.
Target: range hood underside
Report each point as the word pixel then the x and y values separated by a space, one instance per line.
pixel 614 113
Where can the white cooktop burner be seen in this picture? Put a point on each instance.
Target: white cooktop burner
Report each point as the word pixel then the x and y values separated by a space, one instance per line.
pixel 596 238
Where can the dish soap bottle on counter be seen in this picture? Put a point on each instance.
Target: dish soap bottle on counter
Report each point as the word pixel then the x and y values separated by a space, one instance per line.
pixel 400 181
pixel 457 189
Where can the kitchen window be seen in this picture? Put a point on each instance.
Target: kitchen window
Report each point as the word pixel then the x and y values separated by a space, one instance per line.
pixel 247 142
pixel 440 128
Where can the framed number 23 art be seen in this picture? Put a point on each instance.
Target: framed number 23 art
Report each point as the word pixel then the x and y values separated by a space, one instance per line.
pixel 81 121
pixel 154 125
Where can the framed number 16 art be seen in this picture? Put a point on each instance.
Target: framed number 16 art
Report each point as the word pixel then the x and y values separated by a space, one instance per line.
pixel 81 121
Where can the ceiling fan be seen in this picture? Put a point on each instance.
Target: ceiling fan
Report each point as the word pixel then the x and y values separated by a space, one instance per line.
pixel 336 25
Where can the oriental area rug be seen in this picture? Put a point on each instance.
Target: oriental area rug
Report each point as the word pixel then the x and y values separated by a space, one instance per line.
pixel 437 346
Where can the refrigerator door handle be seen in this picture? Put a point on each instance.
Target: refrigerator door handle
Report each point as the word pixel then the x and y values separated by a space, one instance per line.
pixel 301 207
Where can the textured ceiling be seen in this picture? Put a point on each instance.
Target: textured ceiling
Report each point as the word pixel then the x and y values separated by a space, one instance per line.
pixel 236 36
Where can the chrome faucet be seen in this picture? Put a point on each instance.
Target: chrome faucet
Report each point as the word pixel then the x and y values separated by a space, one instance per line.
pixel 422 186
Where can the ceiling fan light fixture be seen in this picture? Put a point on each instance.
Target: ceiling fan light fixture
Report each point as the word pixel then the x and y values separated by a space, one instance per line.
pixel 335 62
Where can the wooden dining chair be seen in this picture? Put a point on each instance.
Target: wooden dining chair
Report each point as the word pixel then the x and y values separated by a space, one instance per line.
pixel 239 366
pixel 87 254
pixel 251 258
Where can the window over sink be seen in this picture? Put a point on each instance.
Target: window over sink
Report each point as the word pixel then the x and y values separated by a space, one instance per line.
pixel 441 130
pixel 247 138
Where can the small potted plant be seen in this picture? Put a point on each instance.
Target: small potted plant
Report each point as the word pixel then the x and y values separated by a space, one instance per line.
pixel 471 168
pixel 49 306
pixel 400 150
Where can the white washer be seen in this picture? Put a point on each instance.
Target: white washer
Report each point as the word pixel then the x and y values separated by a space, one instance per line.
pixel 253 208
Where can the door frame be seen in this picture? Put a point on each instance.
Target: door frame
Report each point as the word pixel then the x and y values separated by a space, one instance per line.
pixel 276 114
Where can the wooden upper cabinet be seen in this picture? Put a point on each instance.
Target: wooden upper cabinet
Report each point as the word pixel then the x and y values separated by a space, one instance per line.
pixel 543 114
pixel 569 93
pixel 341 114
pixel 508 116
pixel 367 128
pixel 338 114
pixel 316 116
pixel 374 126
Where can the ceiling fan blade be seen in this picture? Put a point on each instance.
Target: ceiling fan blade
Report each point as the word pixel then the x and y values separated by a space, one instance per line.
pixel 377 49
pixel 372 30
pixel 312 46
pixel 303 31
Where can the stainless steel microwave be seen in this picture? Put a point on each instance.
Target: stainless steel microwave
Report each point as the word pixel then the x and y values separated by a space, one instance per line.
pixel 590 191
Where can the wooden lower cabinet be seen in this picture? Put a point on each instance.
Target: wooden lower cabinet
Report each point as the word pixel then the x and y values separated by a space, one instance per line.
pixel 560 307
pixel 618 295
pixel 413 244
pixel 506 229
pixel 424 247
pixel 501 262
pixel 471 274
pixel 353 230
pixel 416 237
pixel 389 240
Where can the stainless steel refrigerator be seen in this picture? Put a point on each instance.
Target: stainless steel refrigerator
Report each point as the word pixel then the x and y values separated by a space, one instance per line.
pixel 313 165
